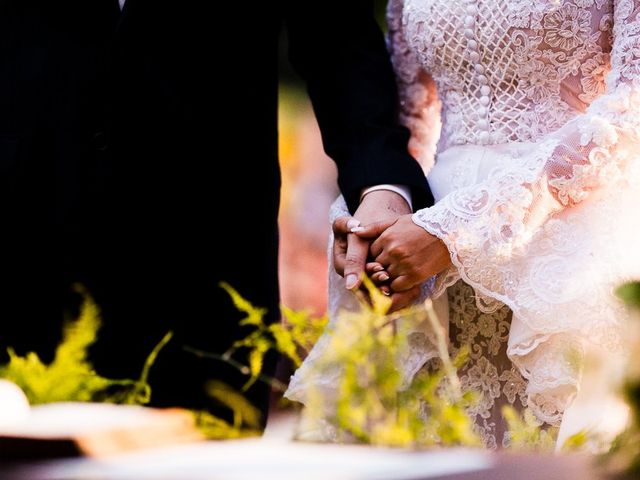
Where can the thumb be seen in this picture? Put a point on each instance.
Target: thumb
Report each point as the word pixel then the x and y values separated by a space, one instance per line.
pixel 373 230
pixel 344 225
pixel 355 261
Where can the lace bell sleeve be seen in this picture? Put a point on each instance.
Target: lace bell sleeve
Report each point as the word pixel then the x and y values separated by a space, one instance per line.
pixel 550 232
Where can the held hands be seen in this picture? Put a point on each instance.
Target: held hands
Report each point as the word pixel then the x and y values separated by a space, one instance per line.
pixel 350 251
pixel 401 255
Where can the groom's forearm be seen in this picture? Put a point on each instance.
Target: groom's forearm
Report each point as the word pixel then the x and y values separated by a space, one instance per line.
pixel 339 50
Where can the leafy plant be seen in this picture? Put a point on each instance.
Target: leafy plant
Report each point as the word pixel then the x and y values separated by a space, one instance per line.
pixel 246 417
pixel 70 376
pixel 371 402
pixel 525 432
pixel 293 338
pixel 624 457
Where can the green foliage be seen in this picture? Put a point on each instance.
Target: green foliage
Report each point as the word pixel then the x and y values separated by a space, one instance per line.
pixel 298 335
pixel 525 431
pixel 293 338
pixel 624 457
pixel 246 418
pixel 301 332
pixel 370 401
pixel 140 394
pixel 630 293
pixel 70 376
pixel 371 404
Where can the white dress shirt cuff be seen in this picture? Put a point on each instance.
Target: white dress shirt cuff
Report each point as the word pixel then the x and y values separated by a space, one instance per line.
pixel 402 190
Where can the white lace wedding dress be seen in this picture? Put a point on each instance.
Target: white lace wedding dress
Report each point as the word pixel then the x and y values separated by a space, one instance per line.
pixel 535 106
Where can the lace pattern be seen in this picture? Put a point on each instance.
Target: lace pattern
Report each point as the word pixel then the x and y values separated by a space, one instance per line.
pixel 506 70
pixel 489 370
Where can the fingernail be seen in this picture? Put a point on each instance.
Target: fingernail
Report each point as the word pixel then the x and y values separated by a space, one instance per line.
pixel 378 268
pixel 385 291
pixel 357 229
pixel 384 277
pixel 353 223
pixel 352 279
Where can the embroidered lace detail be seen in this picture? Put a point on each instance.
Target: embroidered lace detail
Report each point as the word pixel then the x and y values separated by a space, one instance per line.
pixel 489 370
pixel 505 70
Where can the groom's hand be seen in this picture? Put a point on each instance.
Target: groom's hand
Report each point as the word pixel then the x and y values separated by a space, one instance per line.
pixel 350 252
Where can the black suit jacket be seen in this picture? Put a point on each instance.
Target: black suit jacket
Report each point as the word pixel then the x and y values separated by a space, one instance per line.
pixel 120 136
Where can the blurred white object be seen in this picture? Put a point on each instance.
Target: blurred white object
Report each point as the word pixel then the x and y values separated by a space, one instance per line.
pixel 14 405
pixel 599 408
pixel 94 429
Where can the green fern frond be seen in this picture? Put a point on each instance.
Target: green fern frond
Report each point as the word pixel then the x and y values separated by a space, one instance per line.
pixel 244 413
pixel 305 328
pixel 214 428
pixel 255 315
pixel 70 377
pixel 285 342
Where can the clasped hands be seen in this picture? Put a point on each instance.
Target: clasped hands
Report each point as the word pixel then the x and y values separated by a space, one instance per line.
pixel 382 241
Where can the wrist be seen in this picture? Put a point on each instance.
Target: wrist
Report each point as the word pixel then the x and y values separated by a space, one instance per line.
pixel 401 190
pixel 384 202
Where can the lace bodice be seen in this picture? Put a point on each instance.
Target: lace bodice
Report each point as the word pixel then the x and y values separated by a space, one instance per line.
pixel 506 70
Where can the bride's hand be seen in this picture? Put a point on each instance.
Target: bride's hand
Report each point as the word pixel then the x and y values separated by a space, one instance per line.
pixel 379 276
pixel 409 254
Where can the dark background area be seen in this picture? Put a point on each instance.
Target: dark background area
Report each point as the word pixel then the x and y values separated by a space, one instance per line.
pixel 288 76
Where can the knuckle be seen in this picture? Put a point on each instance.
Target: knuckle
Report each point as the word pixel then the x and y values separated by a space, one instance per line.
pixel 353 260
pixel 392 249
pixel 396 251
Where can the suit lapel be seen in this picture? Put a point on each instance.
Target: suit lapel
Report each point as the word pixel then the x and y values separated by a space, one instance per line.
pixel 125 13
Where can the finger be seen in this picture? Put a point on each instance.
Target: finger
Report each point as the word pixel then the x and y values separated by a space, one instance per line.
pixel 355 261
pixel 402 283
pixel 373 230
pixel 401 300
pixel 379 278
pixel 383 259
pixel 376 249
pixel 343 225
pixel 339 254
pixel 373 267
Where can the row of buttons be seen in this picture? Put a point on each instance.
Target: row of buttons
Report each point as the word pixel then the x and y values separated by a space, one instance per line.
pixel 474 56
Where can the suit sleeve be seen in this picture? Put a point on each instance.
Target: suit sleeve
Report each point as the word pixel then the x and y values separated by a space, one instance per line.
pixel 337 47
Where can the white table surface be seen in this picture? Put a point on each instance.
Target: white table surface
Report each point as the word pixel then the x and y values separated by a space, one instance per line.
pixel 273 456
